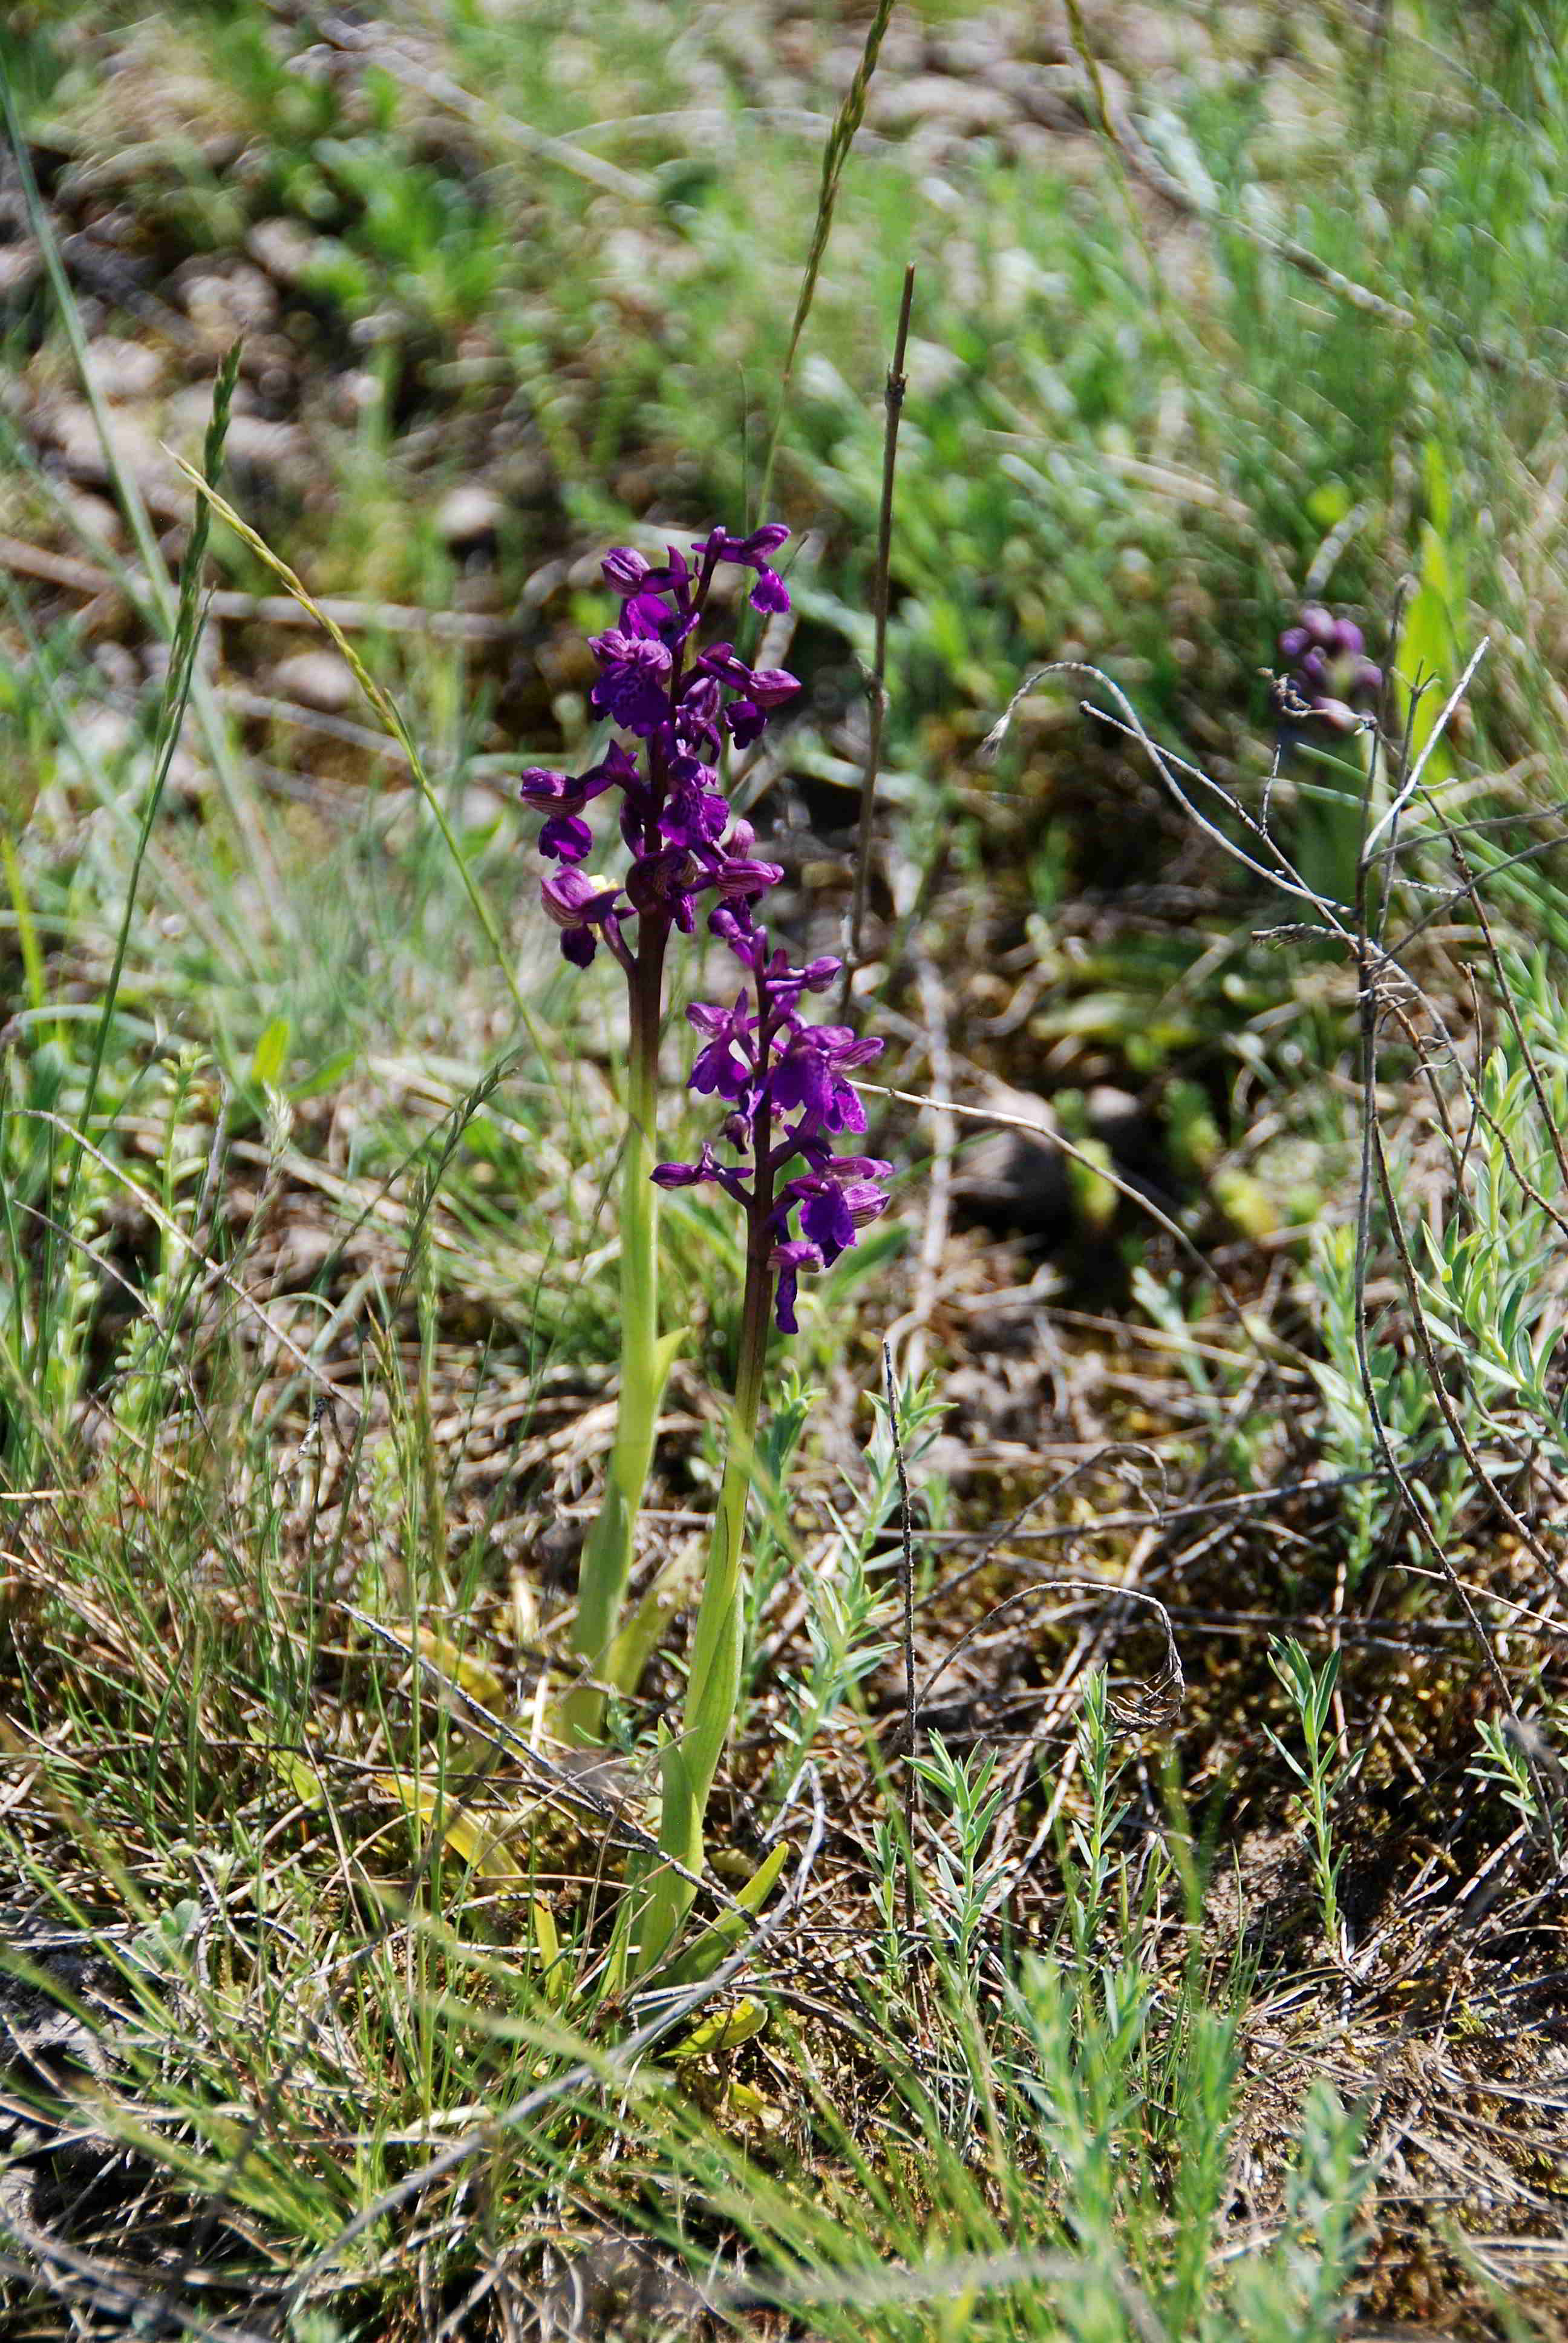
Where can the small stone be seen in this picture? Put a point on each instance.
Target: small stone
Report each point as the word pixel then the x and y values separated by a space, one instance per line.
pixel 124 369
pixel 283 247
pixel 964 107
pixel 468 516
pixel 319 680
pixel 255 444
pixel 20 266
pixel 236 299
pixel 1009 1178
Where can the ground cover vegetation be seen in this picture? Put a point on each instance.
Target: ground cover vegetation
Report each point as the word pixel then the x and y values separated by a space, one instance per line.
pixel 1114 1776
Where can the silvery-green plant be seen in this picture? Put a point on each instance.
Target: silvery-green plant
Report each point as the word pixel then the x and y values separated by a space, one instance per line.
pixel 1318 1769
pixel 1504 1766
pixel 1094 1878
pixel 1490 1287
pixel 968 1789
pixel 1404 1403
pixel 851 1617
pixel 1298 2287
pixel 848 1623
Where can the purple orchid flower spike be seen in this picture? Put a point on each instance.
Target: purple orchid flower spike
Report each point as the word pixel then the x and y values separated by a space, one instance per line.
pixel 680 707
pixel 681 704
pixel 763 1058
pixel 787 1086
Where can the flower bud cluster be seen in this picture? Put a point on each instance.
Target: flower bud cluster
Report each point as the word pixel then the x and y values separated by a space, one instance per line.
pixel 682 704
pixel 1327 663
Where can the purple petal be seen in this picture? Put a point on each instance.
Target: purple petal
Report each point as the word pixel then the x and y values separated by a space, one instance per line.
pixel 684 1175
pixel 566 838
pixel 746 878
pixel 745 721
pixel 770 685
pixel 769 593
pixel 572 898
pixel 865 1201
pixel 541 787
pixel 718 1071
pixel 801 1079
pixel 826 1219
pixel 844 1110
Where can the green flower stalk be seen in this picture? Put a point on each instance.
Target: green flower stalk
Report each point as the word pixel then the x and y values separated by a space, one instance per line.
pixel 609 1549
pixel 762 1058
pixel 682 705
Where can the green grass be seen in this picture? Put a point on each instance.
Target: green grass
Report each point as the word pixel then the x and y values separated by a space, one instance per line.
pixel 307 1267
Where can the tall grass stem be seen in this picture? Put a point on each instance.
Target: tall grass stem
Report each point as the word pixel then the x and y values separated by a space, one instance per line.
pixel 893 399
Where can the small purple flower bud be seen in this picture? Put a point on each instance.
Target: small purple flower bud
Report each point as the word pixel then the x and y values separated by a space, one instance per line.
pixel 1319 626
pixel 772 686
pixel 820 975
pixel 763 541
pixel 661 878
pixel 1348 637
pixel 733 925
pixel 1336 714
pixel 625 569
pixel 1293 642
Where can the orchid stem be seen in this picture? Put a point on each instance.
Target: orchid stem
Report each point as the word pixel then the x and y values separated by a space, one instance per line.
pixel 713 1679
pixel 610 1548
